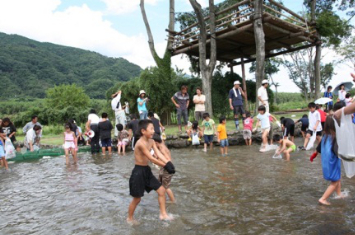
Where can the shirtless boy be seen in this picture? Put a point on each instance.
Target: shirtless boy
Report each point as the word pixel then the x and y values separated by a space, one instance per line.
pixel 142 177
pixel 286 146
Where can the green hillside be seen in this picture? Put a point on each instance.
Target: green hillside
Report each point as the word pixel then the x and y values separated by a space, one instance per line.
pixel 28 68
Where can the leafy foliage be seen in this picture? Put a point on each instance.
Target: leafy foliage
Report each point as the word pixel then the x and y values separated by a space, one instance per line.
pixel 28 68
pixel 60 97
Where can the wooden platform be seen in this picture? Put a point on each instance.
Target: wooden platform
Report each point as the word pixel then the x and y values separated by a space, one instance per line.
pixel 284 32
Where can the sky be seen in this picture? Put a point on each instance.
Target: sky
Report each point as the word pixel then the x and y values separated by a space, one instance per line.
pixel 115 28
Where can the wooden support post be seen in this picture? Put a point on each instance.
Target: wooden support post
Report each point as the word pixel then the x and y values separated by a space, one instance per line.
pixel 260 44
pixel 246 103
pixel 232 70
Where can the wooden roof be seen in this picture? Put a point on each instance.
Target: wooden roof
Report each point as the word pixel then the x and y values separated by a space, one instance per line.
pixel 235 38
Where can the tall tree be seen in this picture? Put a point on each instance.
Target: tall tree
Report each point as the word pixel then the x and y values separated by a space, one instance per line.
pixel 164 72
pixel 206 69
pixel 163 63
pixel 259 42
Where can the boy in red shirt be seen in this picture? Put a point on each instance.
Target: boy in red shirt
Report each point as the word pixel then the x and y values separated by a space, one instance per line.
pixel 323 115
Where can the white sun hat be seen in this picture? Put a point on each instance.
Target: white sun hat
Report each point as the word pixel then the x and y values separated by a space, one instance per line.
pixel 264 82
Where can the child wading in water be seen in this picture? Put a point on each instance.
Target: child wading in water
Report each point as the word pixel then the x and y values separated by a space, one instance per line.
pixel 248 127
pixel 2 154
pixel 69 144
pixel 208 129
pixel 331 164
pixel 286 146
pixel 122 139
pixel 194 130
pixel 222 136
pixel 142 178
pixel 315 125
pixel 264 119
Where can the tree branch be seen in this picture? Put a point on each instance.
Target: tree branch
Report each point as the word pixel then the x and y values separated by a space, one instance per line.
pixel 149 33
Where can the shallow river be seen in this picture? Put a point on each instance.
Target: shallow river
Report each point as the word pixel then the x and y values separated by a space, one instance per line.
pixel 243 193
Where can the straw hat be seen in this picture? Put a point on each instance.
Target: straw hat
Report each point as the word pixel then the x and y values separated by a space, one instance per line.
pixel 141 92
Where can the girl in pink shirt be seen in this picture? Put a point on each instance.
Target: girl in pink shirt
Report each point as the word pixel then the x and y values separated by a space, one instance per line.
pixel 248 127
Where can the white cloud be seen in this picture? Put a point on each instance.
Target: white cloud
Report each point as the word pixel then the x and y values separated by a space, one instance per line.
pixel 124 6
pixel 75 26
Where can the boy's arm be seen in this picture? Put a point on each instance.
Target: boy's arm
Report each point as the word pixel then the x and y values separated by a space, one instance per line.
pixel 315 127
pixel 160 155
pixel 147 154
pixel 283 146
pixel 87 126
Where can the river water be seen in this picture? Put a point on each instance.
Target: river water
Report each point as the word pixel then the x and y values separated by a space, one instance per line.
pixel 244 193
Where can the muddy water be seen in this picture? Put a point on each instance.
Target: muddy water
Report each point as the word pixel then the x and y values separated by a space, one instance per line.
pixel 244 193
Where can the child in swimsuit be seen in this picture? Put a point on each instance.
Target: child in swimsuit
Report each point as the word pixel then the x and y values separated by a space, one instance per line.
pixel 286 146
pixel 69 144
pixel 142 178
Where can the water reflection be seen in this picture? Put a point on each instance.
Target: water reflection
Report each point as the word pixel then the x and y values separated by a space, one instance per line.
pixel 243 193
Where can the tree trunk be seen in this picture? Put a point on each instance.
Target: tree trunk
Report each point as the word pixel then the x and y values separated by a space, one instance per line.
pixel 317 70
pixel 260 44
pixel 207 90
pixel 246 103
pixel 206 70
pixel 166 61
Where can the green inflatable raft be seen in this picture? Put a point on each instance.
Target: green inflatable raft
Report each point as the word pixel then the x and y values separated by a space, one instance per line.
pixel 35 155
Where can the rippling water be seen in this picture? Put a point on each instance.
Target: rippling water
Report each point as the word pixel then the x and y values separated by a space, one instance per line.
pixel 243 193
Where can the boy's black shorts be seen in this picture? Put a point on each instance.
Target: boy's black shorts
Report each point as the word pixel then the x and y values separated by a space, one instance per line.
pixel 289 130
pixel 142 179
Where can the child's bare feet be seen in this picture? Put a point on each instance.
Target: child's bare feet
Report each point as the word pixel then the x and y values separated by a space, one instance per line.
pixel 324 202
pixel 166 217
pixel 132 222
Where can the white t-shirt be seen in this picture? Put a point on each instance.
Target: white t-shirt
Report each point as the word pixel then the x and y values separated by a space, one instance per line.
pixel 30 137
pixel 93 118
pixel 313 118
pixel 199 107
pixel 262 92
pixel 114 103
pixel 264 120
pixel 341 94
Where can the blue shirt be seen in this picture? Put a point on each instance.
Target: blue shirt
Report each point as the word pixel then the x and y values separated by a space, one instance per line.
pixel 329 95
pixel 236 100
pixel 305 122
pixel 143 107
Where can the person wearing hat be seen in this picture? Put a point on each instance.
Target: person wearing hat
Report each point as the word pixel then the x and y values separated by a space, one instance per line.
pixel 236 102
pixel 142 108
pixel 118 108
pixel 262 95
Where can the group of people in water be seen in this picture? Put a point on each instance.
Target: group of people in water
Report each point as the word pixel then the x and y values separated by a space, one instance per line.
pixel 147 139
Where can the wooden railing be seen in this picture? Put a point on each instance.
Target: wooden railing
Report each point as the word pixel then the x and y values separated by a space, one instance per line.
pixel 234 16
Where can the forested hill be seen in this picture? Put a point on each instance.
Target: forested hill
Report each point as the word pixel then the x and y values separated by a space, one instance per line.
pixel 28 68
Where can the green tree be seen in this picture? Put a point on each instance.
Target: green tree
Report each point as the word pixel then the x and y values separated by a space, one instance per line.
pixel 62 96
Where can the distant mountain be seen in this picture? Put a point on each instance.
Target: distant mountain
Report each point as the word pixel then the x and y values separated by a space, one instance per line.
pixel 28 68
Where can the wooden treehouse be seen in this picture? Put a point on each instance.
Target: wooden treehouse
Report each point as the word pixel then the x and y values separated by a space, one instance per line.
pixel 285 31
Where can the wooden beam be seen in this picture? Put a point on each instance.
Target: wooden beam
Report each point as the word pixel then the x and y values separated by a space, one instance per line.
pixel 281 30
pixel 222 36
pixel 276 54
